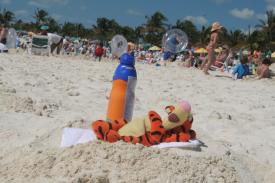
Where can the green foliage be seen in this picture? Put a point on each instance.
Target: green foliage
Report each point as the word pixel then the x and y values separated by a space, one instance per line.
pixel 190 29
pixel 268 26
pixel 41 16
pixel 6 17
pixel 154 28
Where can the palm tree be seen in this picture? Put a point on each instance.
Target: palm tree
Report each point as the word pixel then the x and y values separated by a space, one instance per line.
pixel 106 29
pixel 204 35
pixel 268 25
pixel 129 33
pixel 190 29
pixel 6 17
pixel 235 37
pixel 154 28
pixel 41 16
pixel 53 25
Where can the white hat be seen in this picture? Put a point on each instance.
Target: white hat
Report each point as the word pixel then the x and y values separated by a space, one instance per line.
pixel 216 26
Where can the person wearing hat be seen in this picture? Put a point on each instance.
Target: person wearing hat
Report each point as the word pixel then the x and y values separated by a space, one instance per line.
pixel 222 56
pixel 216 27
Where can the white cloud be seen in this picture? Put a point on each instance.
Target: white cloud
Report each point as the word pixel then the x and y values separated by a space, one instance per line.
pixel 135 13
pixel 242 14
pixel 270 1
pixel 197 20
pixel 261 16
pixel 221 1
pixel 20 13
pixel 57 17
pixel 270 4
pixel 5 1
pixel 47 3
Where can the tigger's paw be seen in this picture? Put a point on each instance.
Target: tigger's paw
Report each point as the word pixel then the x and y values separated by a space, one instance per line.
pixel 112 136
pixel 130 139
pixel 192 134
pixel 184 137
pixel 180 137
pixel 100 128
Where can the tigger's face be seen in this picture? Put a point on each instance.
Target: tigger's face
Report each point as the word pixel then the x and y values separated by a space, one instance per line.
pixel 175 118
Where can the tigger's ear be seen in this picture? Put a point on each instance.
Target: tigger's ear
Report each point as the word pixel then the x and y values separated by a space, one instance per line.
pixel 169 109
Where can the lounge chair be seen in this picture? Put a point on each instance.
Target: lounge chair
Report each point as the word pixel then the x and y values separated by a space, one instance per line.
pixel 224 65
pixel 40 45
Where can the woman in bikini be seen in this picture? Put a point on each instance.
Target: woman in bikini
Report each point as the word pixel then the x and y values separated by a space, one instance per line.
pixel 216 27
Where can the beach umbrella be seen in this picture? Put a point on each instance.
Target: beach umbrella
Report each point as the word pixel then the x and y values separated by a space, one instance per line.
pixel 154 48
pixel 200 50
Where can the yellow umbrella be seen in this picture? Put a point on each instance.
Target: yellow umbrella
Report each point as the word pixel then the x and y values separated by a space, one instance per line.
pixel 154 48
pixel 201 50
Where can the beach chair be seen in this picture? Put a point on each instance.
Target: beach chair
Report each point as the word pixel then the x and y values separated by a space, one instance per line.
pixel 40 45
pixel 224 65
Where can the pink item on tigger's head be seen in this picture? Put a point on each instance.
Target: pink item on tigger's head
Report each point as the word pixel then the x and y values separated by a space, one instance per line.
pixel 185 106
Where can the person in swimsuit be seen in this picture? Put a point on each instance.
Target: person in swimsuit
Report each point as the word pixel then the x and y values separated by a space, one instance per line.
pixel 216 27
pixel 3 34
pixel 263 70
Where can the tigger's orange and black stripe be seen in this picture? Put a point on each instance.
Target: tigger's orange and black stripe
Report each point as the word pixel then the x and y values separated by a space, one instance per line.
pixel 154 136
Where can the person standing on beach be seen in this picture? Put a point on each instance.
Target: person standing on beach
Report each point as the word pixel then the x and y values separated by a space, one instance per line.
pixel 216 27
pixel 56 42
pixel 99 52
pixel 3 34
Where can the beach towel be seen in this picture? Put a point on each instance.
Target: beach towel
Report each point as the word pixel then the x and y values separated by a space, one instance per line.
pixel 3 48
pixel 74 136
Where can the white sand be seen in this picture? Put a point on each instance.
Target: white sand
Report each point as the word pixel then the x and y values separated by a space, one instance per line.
pixel 39 96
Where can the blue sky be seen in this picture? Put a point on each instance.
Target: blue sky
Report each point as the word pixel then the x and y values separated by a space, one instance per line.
pixel 233 14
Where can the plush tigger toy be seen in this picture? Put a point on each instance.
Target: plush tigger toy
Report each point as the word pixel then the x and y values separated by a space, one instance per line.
pixel 151 129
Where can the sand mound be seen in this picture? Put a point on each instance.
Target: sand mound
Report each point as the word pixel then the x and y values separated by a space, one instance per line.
pixel 39 96
pixel 119 162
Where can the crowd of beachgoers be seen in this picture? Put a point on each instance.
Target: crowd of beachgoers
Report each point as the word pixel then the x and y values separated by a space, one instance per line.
pixel 240 63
